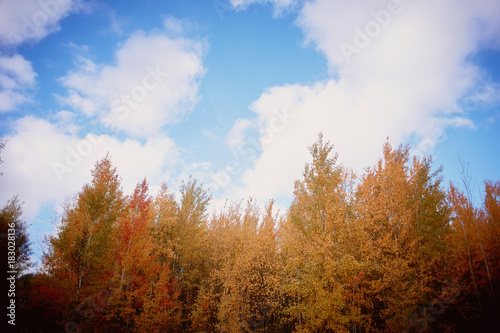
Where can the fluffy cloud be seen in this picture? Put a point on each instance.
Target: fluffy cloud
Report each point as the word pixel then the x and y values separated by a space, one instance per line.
pixel 20 22
pixel 141 91
pixel 176 26
pixel 17 77
pixel 401 72
pixel 28 20
pixel 44 172
pixel 76 102
pixel 236 135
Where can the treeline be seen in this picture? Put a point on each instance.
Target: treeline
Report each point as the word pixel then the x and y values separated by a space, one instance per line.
pixel 389 251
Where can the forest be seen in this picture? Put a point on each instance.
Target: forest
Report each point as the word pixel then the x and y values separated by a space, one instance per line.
pixel 390 250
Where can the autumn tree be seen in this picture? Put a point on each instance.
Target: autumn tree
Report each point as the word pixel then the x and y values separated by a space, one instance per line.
pixel 143 294
pixel 81 256
pixel 389 250
pixel 14 232
pixel 322 268
pixel 491 219
pixel 15 245
pixel 15 248
pixel 241 293
pixel 222 231
pixel 162 309
pixel 131 260
pixel 262 270
pixel 249 300
pixel 188 243
pixel 233 305
pixel 404 214
pixel 475 257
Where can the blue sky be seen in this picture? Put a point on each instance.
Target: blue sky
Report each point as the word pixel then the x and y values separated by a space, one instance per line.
pixel 233 92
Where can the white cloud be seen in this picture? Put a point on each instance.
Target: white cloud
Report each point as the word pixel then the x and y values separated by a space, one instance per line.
pixel 10 100
pixel 28 20
pixel 117 24
pixel 17 77
pixel 44 172
pixel 209 134
pixel 404 80
pixel 141 91
pixel 279 5
pixel 66 120
pixel 20 70
pixel 75 101
pixel 176 27
pixel 20 22
pixel 236 135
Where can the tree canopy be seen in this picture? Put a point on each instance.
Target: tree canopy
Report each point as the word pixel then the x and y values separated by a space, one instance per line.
pixel 390 250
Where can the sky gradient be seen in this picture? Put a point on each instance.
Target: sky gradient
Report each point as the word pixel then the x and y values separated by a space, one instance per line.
pixel 232 92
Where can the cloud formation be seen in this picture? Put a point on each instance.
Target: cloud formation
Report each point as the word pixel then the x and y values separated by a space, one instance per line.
pixel 236 135
pixel 17 78
pixel 137 94
pixel 44 172
pixel 141 91
pixel 401 70
pixel 30 21
pixel 280 6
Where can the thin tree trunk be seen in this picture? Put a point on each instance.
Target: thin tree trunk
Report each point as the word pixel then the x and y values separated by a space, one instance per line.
pixel 128 247
pixel 80 279
pixel 466 182
pixel 471 270
pixel 485 263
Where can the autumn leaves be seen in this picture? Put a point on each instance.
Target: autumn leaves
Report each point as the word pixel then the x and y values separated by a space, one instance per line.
pixel 380 252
